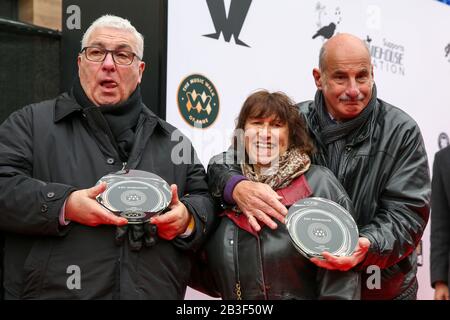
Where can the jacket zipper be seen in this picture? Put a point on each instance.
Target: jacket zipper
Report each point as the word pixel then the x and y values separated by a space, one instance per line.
pixel 261 265
pixel 238 289
pixel 343 165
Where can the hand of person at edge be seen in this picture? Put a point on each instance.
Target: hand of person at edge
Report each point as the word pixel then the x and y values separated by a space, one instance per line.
pixel 441 291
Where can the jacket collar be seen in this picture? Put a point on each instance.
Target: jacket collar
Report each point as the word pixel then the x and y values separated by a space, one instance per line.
pixel 164 126
pixel 309 109
pixel 65 106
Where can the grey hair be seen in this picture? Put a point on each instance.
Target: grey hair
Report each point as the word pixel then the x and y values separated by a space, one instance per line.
pixel 322 58
pixel 110 21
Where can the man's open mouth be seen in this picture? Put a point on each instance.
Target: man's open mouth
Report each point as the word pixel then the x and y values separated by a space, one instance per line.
pixel 108 84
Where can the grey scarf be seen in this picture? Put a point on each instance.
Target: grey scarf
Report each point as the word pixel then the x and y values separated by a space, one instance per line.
pixel 334 135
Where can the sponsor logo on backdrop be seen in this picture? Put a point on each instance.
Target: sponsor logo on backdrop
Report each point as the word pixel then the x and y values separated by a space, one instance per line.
pixel 327 21
pixel 443 140
pixel 231 25
pixel 387 55
pixel 447 52
pixel 198 101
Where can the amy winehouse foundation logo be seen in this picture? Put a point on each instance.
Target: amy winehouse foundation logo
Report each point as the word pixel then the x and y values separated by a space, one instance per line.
pixel 387 56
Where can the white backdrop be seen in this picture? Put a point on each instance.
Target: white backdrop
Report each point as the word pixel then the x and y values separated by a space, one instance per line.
pixel 408 40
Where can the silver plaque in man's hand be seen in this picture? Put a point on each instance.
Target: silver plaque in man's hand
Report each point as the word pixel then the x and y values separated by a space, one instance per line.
pixel 317 224
pixel 135 195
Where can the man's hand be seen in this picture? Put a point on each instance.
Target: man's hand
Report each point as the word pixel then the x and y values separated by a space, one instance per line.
pixel 441 291
pixel 259 203
pixel 332 262
pixel 81 207
pixel 173 222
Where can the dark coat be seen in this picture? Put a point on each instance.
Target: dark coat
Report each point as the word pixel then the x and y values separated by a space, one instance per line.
pixel 440 217
pixel 384 169
pixel 266 265
pixel 48 150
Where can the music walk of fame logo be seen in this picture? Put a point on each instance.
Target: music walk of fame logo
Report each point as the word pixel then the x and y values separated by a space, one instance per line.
pixel 327 23
pixel 198 101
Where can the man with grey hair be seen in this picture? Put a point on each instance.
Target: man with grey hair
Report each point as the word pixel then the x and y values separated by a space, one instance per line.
pixel 377 153
pixel 60 243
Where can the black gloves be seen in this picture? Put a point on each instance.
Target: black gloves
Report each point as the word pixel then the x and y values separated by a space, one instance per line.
pixel 138 235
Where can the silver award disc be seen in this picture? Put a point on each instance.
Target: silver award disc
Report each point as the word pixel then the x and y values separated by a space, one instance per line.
pixel 135 195
pixel 317 224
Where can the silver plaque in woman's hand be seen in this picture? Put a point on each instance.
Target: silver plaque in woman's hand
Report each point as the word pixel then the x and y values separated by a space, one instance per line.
pixel 135 195
pixel 317 224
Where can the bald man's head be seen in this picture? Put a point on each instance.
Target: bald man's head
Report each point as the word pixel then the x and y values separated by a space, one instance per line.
pixel 342 41
pixel 345 76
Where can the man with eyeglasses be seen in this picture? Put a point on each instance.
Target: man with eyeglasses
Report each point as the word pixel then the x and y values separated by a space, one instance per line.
pixel 60 243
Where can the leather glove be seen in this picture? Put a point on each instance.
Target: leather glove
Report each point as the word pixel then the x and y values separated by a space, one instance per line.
pixel 144 234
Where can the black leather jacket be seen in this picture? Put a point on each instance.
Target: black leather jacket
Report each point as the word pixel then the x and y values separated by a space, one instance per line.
pixel 384 170
pixel 267 265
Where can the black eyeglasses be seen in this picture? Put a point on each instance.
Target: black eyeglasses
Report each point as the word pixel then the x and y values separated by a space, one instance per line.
pixel 121 57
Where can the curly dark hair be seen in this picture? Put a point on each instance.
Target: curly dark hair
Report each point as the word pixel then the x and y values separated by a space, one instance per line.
pixel 263 104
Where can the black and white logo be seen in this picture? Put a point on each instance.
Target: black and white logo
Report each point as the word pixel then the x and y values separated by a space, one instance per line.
pixel 387 55
pixel 447 52
pixel 326 22
pixel 231 25
pixel 443 140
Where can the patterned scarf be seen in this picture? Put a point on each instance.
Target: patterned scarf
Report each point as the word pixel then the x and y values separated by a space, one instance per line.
pixel 292 164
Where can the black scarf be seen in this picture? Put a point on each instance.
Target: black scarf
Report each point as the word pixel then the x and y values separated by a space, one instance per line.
pixel 333 134
pixel 118 121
